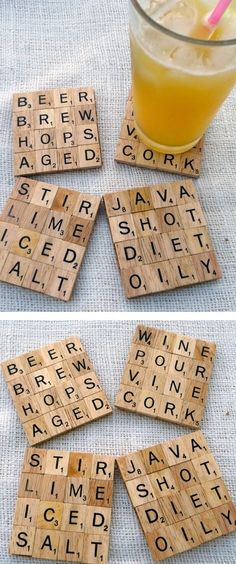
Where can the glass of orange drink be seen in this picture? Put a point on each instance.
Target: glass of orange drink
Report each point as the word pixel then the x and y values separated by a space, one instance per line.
pixel 178 81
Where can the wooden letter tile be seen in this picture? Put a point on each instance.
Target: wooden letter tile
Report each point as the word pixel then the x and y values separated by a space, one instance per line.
pixel 55 389
pixel 64 504
pixel 182 505
pixel 42 244
pixel 160 237
pixel 167 377
pixel 130 150
pixel 55 130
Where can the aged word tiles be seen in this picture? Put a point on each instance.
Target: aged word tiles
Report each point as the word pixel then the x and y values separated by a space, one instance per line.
pixel 55 389
pixel 179 495
pixel 130 150
pixel 167 376
pixel 55 130
pixel 64 504
pixel 44 232
pixel 161 238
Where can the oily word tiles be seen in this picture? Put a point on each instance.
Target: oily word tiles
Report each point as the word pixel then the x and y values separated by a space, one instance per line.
pixel 44 232
pixel 55 130
pixel 130 150
pixel 55 389
pixel 161 238
pixel 167 376
pixel 179 495
pixel 63 509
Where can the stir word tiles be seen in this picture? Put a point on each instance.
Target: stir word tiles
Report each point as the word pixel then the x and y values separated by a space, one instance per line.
pixel 161 238
pixel 130 150
pixel 55 389
pixel 179 495
pixel 167 376
pixel 44 232
pixel 64 504
pixel 55 130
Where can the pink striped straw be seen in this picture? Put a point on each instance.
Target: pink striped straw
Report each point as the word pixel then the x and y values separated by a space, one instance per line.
pixel 216 15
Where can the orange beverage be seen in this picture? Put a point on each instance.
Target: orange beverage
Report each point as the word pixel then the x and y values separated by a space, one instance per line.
pixel 179 82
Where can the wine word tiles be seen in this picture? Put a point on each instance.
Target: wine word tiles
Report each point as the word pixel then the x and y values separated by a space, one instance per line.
pixel 55 130
pixel 55 389
pixel 179 495
pixel 63 509
pixel 130 150
pixel 161 238
pixel 167 376
pixel 44 232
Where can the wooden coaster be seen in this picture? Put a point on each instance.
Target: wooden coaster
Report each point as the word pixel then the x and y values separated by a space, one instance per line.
pixel 55 389
pixel 160 237
pixel 130 150
pixel 179 495
pixel 167 376
pixel 55 130
pixel 64 504
pixel 44 232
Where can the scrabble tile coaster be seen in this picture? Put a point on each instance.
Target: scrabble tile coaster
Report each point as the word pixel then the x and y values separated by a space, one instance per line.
pixel 55 389
pixel 55 130
pixel 64 504
pixel 44 232
pixel 179 495
pixel 130 150
pixel 167 376
pixel 161 238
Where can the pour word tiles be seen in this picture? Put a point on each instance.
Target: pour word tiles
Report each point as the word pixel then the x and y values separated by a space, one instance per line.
pixel 161 238
pixel 44 232
pixel 179 495
pixel 64 504
pixel 130 150
pixel 55 389
pixel 55 130
pixel 167 376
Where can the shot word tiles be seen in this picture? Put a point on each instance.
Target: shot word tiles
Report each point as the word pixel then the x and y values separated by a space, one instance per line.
pixel 44 232
pixel 55 389
pixel 167 376
pixel 161 238
pixel 130 150
pixel 55 130
pixel 64 504
pixel 179 495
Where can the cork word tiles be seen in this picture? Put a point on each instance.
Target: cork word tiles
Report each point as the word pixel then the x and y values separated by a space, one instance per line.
pixel 179 495
pixel 64 504
pixel 55 389
pixel 167 376
pixel 44 232
pixel 161 238
pixel 55 130
pixel 130 150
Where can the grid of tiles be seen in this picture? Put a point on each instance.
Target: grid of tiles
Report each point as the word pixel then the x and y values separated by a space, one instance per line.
pixel 179 495
pixel 44 232
pixel 64 504
pixel 161 238
pixel 55 130
pixel 167 376
pixel 55 389
pixel 130 150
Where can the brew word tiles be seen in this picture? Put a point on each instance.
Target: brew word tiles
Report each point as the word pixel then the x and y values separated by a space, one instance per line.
pixel 44 232
pixel 179 495
pixel 63 508
pixel 55 130
pixel 160 237
pixel 55 389
pixel 167 376
pixel 130 150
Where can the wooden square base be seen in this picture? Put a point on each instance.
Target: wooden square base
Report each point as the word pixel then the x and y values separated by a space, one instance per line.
pixel 55 389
